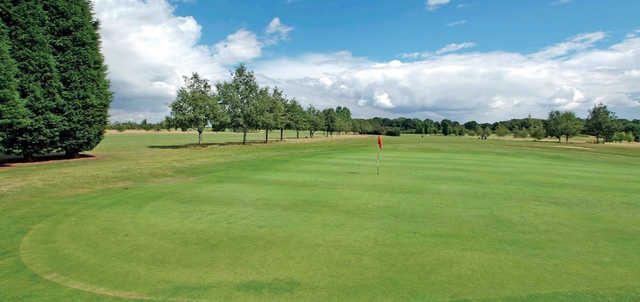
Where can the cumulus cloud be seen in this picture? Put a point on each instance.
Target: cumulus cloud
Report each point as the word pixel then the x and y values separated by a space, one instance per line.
pixel 241 46
pixel 278 29
pixel 485 86
pixel 148 49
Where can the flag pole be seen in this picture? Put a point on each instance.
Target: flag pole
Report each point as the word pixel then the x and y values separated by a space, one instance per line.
pixel 378 164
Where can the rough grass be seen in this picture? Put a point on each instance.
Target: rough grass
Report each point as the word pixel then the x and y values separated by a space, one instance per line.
pixel 448 219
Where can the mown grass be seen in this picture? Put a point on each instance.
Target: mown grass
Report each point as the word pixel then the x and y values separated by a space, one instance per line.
pixel 448 219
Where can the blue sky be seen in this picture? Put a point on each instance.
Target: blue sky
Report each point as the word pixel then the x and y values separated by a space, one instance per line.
pixel 456 59
pixel 381 30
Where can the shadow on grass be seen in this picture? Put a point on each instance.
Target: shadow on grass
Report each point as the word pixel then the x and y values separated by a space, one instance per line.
pixel 11 161
pixel 207 145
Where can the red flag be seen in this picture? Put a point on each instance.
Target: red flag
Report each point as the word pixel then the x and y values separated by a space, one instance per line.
pixel 379 141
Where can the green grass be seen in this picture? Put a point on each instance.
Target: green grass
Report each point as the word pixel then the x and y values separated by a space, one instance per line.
pixel 448 219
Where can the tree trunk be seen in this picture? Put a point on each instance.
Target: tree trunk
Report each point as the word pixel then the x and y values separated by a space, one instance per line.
pixel 200 136
pixel 281 134
pixel 310 133
pixel 27 157
pixel 567 139
pixel 244 136
pixel 297 134
pixel 266 136
pixel 597 139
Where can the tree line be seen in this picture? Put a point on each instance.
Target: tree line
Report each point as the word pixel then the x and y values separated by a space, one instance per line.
pixel 242 105
pixel 54 95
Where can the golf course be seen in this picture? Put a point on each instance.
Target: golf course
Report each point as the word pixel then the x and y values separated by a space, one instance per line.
pixel 153 217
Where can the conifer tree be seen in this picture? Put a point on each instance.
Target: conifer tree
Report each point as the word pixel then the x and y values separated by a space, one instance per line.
pixel 85 91
pixel 12 111
pixel 38 80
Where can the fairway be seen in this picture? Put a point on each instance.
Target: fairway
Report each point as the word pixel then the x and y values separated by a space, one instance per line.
pixel 448 219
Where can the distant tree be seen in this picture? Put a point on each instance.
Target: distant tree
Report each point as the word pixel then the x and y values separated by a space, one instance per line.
pixel 296 117
pixel 272 111
pixel 85 90
pixel 619 137
pixel 240 98
pixel 563 124
pixel 537 133
pixel 343 119
pixel 280 116
pixel 502 131
pixel 195 106
pixel 330 120
pixel 447 127
pixel 601 123
pixel 521 133
pixel 315 120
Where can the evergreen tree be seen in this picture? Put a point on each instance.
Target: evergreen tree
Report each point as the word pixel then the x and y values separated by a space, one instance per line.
pixel 12 111
pixel 38 80
pixel 85 90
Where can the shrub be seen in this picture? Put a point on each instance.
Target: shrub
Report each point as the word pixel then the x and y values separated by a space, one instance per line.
pixel 502 131
pixel 619 137
pixel 538 133
pixel 392 132
pixel 522 133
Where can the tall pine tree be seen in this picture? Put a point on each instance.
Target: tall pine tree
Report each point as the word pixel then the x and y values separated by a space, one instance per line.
pixel 76 46
pixel 38 80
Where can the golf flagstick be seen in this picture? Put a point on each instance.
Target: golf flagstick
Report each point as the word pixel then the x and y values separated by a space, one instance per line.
pixel 379 149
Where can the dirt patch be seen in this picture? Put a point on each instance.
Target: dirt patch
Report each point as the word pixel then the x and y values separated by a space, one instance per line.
pixel 573 147
pixel 9 163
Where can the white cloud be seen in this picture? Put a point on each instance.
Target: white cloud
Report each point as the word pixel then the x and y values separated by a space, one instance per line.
pixel 276 27
pixel 434 4
pixel 148 49
pixel 455 47
pixel 241 46
pixel 577 43
pixel 486 86
pixel 456 23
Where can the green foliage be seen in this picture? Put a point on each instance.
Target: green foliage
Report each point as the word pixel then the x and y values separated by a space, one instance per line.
pixel 38 82
pixel 392 132
pixel 196 106
pixel 521 133
pixel 619 137
pixel 315 120
pixel 502 131
pixel 538 133
pixel 85 90
pixel 601 123
pixel 563 124
pixel 12 108
pixel 330 120
pixel 447 127
pixel 63 94
pixel 240 96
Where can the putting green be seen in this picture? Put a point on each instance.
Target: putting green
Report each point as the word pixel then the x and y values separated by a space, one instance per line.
pixel 448 219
